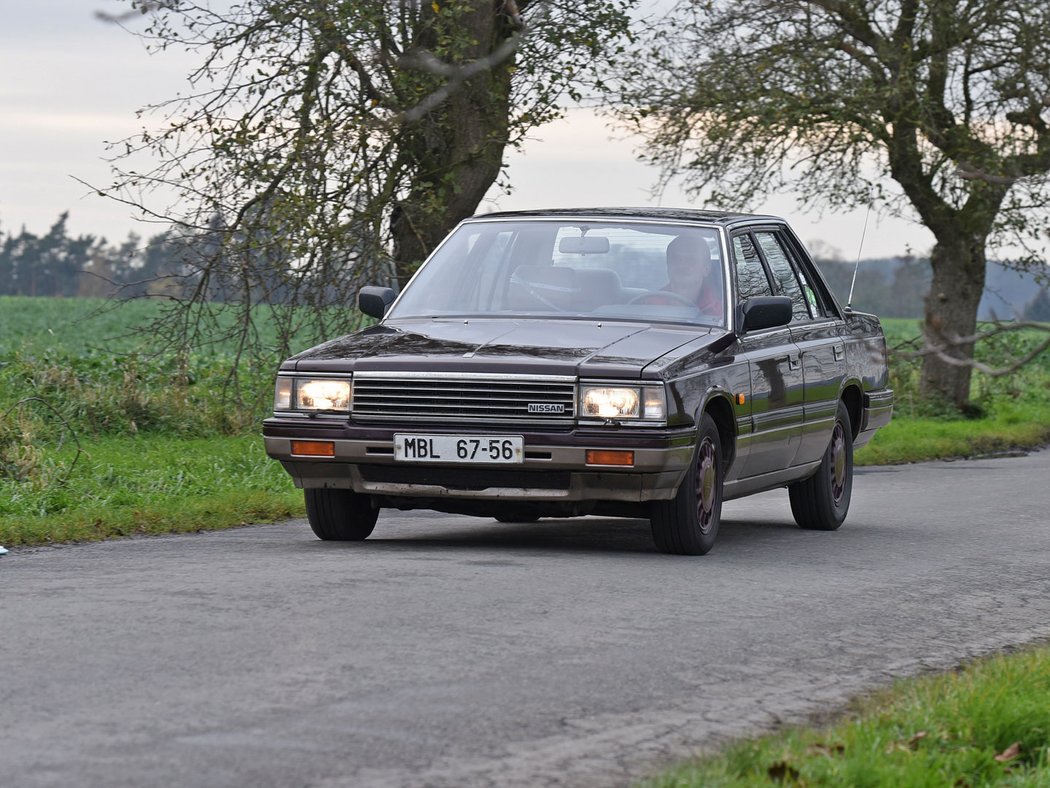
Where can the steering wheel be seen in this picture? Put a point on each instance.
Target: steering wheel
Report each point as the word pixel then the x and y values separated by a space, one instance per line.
pixel 659 296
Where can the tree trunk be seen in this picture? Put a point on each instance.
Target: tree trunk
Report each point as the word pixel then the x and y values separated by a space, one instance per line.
pixel 958 263
pixel 455 151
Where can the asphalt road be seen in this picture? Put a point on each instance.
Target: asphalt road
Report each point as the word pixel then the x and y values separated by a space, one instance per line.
pixel 456 651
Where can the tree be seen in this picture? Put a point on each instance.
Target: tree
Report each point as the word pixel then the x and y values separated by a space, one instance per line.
pixel 947 98
pixel 328 141
pixel 48 265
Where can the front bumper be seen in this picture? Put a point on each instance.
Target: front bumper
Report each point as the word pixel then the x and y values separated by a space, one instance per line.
pixel 554 468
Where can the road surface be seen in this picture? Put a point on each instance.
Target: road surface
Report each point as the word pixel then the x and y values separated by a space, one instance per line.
pixel 450 651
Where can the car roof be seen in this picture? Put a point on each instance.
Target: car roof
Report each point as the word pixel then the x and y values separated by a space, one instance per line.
pixel 725 218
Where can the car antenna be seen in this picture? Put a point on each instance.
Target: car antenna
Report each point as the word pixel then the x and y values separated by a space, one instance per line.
pixel 863 232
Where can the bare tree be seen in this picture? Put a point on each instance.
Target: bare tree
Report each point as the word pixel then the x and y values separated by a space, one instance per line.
pixel 326 142
pixel 837 98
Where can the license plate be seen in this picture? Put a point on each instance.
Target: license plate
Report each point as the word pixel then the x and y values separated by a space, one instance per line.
pixel 459 448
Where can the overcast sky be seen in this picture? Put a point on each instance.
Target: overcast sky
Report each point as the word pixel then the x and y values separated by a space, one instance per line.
pixel 69 82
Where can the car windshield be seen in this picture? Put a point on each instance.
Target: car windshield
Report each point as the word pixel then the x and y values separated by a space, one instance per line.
pixel 573 268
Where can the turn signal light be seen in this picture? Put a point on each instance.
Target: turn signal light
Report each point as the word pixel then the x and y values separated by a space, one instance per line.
pixel 313 448
pixel 608 457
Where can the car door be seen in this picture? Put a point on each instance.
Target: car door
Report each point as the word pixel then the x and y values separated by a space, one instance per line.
pixel 816 331
pixel 775 368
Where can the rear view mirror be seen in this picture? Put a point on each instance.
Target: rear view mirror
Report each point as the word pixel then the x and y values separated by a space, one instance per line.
pixel 766 312
pixel 594 244
pixel 374 301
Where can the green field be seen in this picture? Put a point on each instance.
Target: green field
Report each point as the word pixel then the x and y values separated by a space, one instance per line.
pixel 102 436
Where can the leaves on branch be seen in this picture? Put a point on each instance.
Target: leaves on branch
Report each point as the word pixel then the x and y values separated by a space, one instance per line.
pixel 327 144
pixel 929 110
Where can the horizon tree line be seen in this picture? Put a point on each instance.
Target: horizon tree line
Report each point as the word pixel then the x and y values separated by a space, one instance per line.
pixel 58 264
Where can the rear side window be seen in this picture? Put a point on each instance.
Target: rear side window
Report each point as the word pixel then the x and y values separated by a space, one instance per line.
pixel 816 297
pixel 784 275
pixel 751 279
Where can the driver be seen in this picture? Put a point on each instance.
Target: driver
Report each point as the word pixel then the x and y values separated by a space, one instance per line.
pixel 689 268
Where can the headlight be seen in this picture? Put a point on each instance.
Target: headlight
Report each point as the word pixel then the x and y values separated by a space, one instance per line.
pixel 623 402
pixel 323 395
pixel 317 394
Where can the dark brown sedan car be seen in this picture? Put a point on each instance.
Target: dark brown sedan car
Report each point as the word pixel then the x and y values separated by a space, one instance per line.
pixel 641 363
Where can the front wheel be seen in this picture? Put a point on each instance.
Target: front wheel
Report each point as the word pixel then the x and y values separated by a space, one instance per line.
pixel 820 502
pixel 688 523
pixel 340 515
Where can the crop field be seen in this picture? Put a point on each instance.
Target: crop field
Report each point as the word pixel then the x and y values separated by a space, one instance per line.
pixel 102 435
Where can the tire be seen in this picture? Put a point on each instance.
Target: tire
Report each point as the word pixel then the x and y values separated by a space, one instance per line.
pixel 820 502
pixel 340 515
pixel 688 523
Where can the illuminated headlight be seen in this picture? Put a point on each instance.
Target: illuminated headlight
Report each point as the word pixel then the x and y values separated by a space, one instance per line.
pixel 321 394
pixel 623 402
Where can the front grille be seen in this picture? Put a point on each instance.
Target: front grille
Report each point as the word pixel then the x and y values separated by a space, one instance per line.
pixel 464 398
pixel 466 478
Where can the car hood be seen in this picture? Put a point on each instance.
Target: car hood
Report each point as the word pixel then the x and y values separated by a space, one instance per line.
pixel 550 347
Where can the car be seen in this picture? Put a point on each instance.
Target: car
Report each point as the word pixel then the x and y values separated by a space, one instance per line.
pixel 645 363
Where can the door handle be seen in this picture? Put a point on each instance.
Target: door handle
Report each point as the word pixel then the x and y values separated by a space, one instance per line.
pixel 794 362
pixel 839 352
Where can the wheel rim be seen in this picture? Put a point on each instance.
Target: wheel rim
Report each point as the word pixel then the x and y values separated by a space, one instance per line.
pixel 838 463
pixel 706 480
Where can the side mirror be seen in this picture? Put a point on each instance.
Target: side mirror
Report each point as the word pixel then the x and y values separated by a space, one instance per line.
pixel 766 312
pixel 374 301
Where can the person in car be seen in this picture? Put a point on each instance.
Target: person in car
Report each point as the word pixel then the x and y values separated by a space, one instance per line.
pixel 690 276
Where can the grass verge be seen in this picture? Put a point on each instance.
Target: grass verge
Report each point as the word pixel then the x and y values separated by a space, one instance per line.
pixel 150 483
pixel 916 438
pixel 985 724
pixel 122 486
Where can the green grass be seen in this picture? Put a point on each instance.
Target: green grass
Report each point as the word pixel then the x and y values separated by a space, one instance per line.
pixel 122 485
pixel 77 327
pixel 1011 427
pixel 1008 413
pixel 983 725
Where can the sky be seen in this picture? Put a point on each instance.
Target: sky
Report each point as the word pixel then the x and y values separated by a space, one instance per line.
pixel 69 82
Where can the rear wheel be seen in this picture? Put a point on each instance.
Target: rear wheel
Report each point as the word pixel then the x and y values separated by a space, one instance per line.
pixel 688 523
pixel 820 502
pixel 340 515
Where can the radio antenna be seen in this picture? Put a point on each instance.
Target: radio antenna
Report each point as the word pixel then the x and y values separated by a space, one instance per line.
pixel 863 232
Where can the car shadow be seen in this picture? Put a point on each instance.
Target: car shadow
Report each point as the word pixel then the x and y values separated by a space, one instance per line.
pixel 601 535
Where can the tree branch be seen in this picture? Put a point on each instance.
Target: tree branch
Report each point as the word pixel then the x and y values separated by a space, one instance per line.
pixel 940 349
